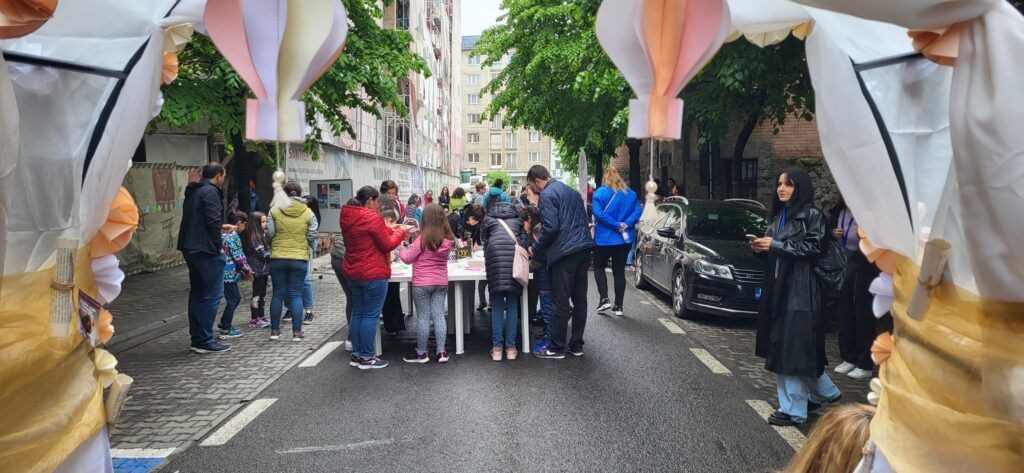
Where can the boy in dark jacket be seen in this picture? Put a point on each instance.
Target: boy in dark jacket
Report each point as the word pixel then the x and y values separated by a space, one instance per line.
pixel 501 232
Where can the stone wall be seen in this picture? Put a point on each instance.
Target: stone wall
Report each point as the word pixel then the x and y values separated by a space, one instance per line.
pixel 826 194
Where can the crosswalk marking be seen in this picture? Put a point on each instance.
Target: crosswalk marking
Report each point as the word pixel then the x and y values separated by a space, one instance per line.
pixel 671 326
pixel 319 355
pixel 238 422
pixel 710 361
pixel 141 452
pixel 791 435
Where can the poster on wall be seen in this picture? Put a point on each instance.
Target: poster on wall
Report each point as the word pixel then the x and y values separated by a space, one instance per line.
pixel 331 194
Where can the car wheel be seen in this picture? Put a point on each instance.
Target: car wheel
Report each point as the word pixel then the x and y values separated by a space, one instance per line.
pixel 638 276
pixel 679 295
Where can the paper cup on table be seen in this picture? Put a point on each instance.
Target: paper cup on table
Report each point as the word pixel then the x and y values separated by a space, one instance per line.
pixel 117 397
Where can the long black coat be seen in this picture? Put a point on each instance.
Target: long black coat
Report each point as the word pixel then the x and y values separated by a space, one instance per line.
pixel 790 325
pixel 500 249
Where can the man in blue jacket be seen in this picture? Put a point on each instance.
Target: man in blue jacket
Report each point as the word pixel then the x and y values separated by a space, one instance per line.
pixel 199 241
pixel 565 239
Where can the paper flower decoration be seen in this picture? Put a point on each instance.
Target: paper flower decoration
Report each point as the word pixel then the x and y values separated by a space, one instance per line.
pixel 660 45
pixel 121 223
pixel 884 259
pixel 280 48
pixel 21 17
pixel 177 37
pixel 107 272
pixel 106 366
pixel 939 45
pixel 876 391
pixel 881 287
pixel 881 348
pixel 105 326
pixel 170 69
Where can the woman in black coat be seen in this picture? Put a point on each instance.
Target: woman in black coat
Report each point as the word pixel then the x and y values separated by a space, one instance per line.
pixel 499 254
pixel 791 328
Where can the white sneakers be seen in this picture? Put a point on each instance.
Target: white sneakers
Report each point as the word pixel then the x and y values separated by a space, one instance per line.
pixel 845 367
pixel 348 345
pixel 858 373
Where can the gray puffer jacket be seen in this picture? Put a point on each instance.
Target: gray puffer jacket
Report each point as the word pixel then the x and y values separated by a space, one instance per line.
pixel 500 249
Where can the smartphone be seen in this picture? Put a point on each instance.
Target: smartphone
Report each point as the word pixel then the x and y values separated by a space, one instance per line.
pixel 751 237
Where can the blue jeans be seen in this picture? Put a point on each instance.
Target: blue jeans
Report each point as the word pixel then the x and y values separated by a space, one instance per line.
pixel 307 293
pixel 504 319
pixel 206 287
pixel 231 299
pixel 547 310
pixel 629 257
pixel 287 276
pixel 795 391
pixel 367 302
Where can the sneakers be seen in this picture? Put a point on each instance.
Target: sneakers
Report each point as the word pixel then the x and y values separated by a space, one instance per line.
pixel 372 364
pixel 511 354
pixel 442 357
pixel 212 347
pixel 548 354
pixel 630 268
pixel 537 321
pixel 348 345
pixel 482 307
pixel 814 407
pixel 781 419
pixel 575 351
pixel 287 315
pixel 308 318
pixel 541 345
pixel 845 367
pixel 495 354
pixel 354 361
pixel 230 332
pixel 617 310
pixel 275 334
pixel 261 322
pixel 858 373
pixel 604 305
pixel 298 336
pixel 416 357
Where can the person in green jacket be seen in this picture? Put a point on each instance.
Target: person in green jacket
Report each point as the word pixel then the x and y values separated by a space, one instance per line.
pixel 292 230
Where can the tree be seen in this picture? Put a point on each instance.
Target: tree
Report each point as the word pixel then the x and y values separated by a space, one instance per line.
pixel 493 176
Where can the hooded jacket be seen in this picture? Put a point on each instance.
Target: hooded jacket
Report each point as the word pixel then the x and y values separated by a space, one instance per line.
pixel 292 231
pixel 367 242
pixel 494 193
pixel 500 248
pixel 566 227
pixel 611 208
pixel 202 215
pixel 429 268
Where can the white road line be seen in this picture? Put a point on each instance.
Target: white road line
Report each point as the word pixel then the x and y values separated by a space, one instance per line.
pixel 645 303
pixel 662 307
pixel 141 452
pixel 671 326
pixel 319 355
pixel 339 448
pixel 238 422
pixel 791 435
pixel 711 362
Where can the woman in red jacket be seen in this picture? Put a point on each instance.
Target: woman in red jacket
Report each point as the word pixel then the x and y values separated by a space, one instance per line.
pixel 367 243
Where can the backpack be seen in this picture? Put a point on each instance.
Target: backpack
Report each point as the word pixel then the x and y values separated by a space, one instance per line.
pixel 830 267
pixel 521 262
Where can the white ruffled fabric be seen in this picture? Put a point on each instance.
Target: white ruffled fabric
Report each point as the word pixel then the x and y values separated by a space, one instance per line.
pixel 881 287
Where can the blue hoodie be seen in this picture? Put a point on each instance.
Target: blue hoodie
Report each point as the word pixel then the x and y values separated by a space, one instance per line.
pixel 608 213
pixel 494 192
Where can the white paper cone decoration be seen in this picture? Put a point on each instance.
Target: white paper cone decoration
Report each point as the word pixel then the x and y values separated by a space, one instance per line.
pixel 109 277
pixel 881 287
pixel 660 45
pixel 280 48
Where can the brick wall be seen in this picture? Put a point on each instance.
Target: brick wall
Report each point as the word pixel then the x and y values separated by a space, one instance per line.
pixel 796 139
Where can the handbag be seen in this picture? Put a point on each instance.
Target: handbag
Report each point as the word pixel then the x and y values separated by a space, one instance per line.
pixel 830 267
pixel 521 261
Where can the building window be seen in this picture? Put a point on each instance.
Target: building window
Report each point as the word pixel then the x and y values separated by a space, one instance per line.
pixel 510 161
pixel 510 140
pixel 474 119
pixel 534 137
pixel 495 160
pixel 497 65
pixel 534 157
pixel 474 60
pixel 496 122
pixel 748 171
pixel 558 166
pixel 473 138
pixel 473 79
pixel 495 140
pixel 494 75
pixel 474 157
pixel 474 99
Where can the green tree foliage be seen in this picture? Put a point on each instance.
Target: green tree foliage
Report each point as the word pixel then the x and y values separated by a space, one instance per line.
pixel 561 82
pixel 210 95
pixel 493 176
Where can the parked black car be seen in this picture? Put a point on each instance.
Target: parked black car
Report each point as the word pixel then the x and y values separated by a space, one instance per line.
pixel 697 252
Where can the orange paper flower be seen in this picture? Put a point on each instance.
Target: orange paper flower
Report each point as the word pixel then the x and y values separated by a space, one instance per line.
pixel 21 17
pixel 105 326
pixel 939 45
pixel 121 223
pixel 170 71
pixel 881 348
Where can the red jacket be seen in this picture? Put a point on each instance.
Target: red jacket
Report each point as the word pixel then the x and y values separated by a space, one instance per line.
pixel 367 242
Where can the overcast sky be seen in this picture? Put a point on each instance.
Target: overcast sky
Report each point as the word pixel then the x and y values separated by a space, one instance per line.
pixel 478 15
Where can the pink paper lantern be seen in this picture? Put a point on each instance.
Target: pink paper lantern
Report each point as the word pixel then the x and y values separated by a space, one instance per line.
pixel 280 48
pixel 660 45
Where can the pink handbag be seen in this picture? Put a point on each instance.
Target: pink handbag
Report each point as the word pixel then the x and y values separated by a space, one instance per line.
pixel 521 262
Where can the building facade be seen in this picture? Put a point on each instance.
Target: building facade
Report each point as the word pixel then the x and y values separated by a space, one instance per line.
pixel 487 144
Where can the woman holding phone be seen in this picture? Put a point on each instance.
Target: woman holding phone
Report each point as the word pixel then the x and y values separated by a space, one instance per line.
pixel 790 326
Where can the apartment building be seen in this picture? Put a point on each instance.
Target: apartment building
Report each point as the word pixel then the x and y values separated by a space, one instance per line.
pixel 487 144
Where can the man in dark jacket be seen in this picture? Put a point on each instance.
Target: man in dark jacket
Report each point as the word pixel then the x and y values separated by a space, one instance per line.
pixel 565 239
pixel 199 241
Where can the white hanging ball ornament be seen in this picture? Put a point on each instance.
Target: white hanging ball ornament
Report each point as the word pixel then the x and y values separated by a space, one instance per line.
pixel 651 187
pixel 279 176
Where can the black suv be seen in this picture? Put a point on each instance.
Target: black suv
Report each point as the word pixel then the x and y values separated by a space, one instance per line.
pixel 698 253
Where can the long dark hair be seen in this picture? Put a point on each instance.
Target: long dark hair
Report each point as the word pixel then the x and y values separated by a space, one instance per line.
pixel 444 191
pixel 253 235
pixel 313 205
pixel 803 193
pixel 366 194
pixel 458 193
pixel 434 229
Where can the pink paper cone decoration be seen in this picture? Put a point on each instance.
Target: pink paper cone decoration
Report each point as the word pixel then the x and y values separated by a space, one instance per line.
pixel 660 45
pixel 280 48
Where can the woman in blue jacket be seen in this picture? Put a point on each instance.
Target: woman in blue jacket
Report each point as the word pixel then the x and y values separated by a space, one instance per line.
pixel 616 211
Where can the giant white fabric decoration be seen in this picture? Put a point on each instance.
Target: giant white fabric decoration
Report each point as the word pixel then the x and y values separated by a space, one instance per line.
pixel 280 48
pixel 660 45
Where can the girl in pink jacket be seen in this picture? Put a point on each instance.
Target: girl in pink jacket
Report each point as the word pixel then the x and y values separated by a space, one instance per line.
pixel 428 256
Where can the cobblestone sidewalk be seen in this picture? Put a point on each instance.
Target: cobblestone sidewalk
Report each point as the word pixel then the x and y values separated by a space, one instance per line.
pixel 178 396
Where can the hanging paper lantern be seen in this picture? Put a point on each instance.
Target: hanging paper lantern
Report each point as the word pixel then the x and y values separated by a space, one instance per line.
pixel 21 17
pixel 660 45
pixel 280 48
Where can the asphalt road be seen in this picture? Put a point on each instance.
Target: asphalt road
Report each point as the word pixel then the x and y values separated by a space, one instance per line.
pixel 638 400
